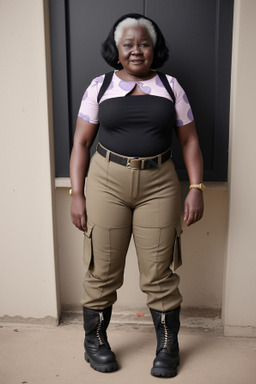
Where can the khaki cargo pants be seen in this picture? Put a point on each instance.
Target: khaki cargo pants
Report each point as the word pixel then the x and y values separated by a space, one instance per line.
pixel 120 202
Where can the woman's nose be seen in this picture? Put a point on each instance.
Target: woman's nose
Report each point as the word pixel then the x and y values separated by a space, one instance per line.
pixel 136 50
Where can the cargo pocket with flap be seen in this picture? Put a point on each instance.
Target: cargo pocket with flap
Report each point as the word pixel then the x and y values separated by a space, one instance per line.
pixel 88 248
pixel 176 255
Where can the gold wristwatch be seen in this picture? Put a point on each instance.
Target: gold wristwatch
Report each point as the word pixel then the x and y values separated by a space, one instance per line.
pixel 200 186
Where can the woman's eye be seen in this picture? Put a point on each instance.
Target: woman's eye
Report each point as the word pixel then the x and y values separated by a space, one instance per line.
pixel 127 45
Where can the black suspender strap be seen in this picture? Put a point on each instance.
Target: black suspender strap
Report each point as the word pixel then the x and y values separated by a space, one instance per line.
pixel 109 75
pixel 166 83
pixel 105 84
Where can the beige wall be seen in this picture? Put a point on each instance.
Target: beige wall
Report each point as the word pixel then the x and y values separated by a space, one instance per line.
pixel 240 282
pixel 218 249
pixel 27 272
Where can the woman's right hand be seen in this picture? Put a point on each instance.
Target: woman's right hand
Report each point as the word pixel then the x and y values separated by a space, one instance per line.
pixel 78 212
pixel 84 136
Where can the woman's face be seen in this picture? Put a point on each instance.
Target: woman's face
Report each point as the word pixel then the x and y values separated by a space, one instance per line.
pixel 136 51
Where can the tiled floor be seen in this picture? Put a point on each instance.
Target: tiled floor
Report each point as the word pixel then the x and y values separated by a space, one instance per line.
pixel 51 355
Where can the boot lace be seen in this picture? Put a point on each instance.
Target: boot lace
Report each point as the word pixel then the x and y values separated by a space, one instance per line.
pixel 165 334
pixel 100 334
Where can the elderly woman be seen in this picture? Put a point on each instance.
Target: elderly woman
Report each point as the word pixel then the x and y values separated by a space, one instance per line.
pixel 132 187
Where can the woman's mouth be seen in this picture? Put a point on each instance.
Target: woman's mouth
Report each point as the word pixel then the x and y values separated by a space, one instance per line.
pixel 137 61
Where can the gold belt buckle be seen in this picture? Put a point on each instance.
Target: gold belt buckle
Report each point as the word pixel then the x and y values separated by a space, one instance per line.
pixel 133 163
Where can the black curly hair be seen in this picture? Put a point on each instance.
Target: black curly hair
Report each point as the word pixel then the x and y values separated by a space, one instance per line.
pixel 109 50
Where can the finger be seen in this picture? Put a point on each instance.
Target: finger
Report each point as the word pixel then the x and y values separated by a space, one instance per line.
pixel 189 221
pixel 77 223
pixel 195 219
pixel 83 224
pixel 192 218
pixel 198 216
pixel 186 215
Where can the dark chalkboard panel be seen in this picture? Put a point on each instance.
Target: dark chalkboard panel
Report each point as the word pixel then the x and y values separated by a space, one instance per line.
pixel 199 35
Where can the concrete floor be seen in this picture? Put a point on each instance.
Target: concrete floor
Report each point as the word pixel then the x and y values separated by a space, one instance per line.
pixel 54 355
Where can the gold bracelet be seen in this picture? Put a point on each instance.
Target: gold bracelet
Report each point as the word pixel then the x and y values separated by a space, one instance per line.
pixel 200 186
pixel 70 192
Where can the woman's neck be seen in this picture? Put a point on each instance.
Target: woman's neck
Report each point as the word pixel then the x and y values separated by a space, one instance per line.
pixel 123 75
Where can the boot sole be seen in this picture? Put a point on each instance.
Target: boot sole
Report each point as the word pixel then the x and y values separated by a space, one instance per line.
pixel 161 372
pixel 111 367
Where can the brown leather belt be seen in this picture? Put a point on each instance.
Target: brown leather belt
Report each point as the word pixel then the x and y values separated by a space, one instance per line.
pixel 135 162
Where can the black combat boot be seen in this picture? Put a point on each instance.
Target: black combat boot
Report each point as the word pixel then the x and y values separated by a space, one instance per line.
pixel 167 325
pixel 97 349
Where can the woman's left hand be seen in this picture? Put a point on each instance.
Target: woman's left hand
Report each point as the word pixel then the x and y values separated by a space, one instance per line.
pixel 193 207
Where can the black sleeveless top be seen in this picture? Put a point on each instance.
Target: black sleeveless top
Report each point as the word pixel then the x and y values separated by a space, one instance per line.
pixel 136 126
